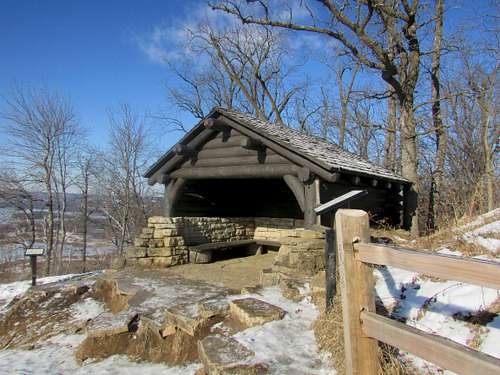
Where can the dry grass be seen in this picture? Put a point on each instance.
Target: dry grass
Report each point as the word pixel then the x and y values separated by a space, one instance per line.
pixel 329 331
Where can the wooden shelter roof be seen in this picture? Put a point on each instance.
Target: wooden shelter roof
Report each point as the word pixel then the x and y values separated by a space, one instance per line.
pixel 313 150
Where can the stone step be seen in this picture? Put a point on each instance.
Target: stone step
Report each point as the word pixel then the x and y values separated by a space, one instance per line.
pixel 109 324
pixel 268 277
pixel 196 319
pixel 222 355
pixel 185 317
pixel 290 289
pixel 250 312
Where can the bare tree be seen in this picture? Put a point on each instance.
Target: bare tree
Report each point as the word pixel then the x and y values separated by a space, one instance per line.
pixel 34 121
pixel 361 27
pixel 345 94
pixel 120 178
pixel 436 186
pixel 67 143
pixel 242 67
pixel 85 165
pixel 14 194
pixel 483 84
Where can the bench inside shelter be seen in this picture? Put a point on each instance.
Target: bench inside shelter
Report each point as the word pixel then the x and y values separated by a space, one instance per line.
pixel 206 253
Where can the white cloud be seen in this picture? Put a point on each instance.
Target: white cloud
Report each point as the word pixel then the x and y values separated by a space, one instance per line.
pixel 169 42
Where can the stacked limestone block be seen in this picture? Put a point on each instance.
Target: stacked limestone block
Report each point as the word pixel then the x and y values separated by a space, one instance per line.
pixel 199 230
pixel 273 229
pixel 159 245
pixel 300 256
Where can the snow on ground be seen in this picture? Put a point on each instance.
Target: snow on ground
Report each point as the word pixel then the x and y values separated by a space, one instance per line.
pixel 480 220
pixel 9 291
pixel 87 309
pixel 481 236
pixel 288 346
pixel 55 356
pixel 442 307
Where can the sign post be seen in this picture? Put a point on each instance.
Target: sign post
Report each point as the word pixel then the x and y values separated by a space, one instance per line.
pixel 33 253
pixel 331 241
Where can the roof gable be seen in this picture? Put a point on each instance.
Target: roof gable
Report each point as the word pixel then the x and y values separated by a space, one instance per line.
pixel 310 148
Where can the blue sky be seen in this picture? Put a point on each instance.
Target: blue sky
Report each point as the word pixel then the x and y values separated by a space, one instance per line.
pixel 86 50
pixel 90 52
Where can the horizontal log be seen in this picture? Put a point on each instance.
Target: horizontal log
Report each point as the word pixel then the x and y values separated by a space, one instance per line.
pixel 177 159
pixel 220 142
pixel 251 143
pixel 239 160
pixel 184 150
pixel 472 271
pixel 236 171
pixel 225 152
pixel 321 171
pixel 442 352
pixel 214 124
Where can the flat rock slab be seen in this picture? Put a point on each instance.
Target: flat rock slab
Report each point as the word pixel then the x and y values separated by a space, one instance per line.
pixel 109 324
pixel 252 312
pixel 222 355
pixel 186 317
pixel 214 307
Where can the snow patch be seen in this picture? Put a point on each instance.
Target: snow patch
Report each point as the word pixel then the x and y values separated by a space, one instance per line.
pixel 11 290
pixel 288 346
pixel 55 356
pixel 87 309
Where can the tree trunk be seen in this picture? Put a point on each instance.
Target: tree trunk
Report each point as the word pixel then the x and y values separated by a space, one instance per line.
pixel 50 219
pixel 409 162
pixel 439 129
pixel 85 222
pixel 390 136
pixel 488 160
pixel 62 227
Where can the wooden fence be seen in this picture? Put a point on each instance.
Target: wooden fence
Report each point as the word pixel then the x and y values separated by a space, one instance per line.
pixel 363 327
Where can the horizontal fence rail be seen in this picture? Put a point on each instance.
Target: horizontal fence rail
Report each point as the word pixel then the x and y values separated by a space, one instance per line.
pixel 472 271
pixel 363 327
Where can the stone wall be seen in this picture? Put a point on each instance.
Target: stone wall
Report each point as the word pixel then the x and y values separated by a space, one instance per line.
pixel 165 241
pixel 300 256
pixel 159 245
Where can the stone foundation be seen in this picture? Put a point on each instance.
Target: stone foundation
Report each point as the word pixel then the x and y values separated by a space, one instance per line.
pixel 165 242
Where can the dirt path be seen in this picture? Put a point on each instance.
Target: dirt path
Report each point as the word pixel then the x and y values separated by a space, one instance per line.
pixel 232 273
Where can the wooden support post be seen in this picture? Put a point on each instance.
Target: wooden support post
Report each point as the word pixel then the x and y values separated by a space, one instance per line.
pixel 317 196
pixel 297 188
pixel 356 180
pixel 330 266
pixel 172 192
pixel 309 204
pixel 357 292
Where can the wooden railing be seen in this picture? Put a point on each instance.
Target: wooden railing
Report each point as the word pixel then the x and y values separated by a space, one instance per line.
pixel 363 327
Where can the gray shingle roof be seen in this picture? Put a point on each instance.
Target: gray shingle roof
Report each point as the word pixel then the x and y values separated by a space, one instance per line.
pixel 311 147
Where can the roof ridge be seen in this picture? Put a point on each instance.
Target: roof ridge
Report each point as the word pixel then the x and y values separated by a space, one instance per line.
pixel 330 147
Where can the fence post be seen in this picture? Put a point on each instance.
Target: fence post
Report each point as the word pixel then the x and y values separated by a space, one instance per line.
pixel 330 267
pixel 357 294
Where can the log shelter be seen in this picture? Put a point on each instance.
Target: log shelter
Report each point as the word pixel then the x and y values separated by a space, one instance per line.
pixel 234 165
